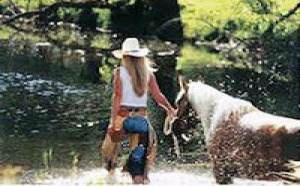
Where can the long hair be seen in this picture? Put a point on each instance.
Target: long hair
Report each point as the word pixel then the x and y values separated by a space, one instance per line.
pixel 138 69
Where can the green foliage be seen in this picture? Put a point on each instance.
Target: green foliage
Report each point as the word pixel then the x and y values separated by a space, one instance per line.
pixel 103 20
pixel 193 58
pixel 68 14
pixel 281 54
pixel 31 4
pixel 5 32
pixel 246 17
pixel 101 41
pixel 202 19
pixel 261 6
pixel 106 73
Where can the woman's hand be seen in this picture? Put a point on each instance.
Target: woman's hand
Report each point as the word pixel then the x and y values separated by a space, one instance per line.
pixel 111 130
pixel 116 135
pixel 171 112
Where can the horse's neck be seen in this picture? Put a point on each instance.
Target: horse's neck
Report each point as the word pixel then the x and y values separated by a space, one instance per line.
pixel 213 106
pixel 204 100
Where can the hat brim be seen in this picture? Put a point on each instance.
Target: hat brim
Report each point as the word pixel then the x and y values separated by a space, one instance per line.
pixel 139 53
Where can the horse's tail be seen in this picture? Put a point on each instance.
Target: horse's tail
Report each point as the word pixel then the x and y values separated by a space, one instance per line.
pixel 291 152
pixel 290 177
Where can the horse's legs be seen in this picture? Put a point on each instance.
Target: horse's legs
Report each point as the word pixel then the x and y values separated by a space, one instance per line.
pixel 222 172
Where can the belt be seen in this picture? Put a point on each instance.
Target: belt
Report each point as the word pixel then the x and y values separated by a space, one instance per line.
pixel 126 111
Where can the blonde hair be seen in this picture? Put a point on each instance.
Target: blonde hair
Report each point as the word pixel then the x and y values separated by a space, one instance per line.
pixel 138 69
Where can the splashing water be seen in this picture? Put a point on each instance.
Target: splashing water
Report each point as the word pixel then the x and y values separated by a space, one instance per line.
pixel 161 177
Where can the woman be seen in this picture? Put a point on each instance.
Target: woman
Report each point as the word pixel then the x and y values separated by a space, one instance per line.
pixel 132 81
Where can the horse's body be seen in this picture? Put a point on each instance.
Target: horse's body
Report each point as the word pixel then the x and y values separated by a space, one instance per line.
pixel 242 141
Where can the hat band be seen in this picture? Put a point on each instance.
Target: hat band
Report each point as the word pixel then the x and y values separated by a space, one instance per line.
pixel 132 51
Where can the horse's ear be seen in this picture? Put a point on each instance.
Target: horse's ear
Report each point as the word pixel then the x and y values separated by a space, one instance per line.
pixel 182 82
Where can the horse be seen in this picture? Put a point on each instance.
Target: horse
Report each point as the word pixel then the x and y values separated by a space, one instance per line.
pixel 242 140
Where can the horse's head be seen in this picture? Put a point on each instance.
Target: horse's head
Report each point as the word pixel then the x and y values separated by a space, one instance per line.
pixel 185 118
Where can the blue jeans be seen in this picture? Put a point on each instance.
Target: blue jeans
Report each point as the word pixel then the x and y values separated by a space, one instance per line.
pixel 136 124
pixel 137 158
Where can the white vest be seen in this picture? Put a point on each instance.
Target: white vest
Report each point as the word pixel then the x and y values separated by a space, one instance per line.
pixel 129 97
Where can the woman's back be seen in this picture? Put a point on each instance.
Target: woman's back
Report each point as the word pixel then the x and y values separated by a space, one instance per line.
pixel 129 97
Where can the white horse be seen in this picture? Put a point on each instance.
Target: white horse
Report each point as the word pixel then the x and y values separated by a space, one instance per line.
pixel 242 140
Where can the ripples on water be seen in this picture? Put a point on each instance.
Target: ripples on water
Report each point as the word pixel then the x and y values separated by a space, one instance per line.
pixel 99 176
pixel 33 105
pixel 49 124
pixel 41 87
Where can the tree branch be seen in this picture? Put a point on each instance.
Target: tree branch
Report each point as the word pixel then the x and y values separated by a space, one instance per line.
pixel 54 7
pixel 16 9
pixel 282 18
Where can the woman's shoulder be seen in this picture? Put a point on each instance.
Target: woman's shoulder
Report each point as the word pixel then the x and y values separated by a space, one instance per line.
pixel 121 71
pixel 151 77
pixel 118 69
pixel 150 73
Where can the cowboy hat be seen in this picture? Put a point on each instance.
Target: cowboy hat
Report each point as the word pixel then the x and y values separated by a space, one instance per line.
pixel 131 47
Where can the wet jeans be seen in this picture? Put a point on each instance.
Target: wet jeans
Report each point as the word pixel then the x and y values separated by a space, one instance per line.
pixel 137 158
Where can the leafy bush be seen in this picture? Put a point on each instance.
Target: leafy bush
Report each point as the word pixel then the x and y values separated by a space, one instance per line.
pixel 206 19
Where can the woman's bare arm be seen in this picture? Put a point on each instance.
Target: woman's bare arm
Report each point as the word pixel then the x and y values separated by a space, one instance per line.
pixel 158 96
pixel 116 97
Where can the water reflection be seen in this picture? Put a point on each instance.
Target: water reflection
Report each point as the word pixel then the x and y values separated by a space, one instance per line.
pixel 30 105
pixel 47 124
pixel 49 118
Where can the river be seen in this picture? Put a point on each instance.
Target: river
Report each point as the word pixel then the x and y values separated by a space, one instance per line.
pixel 53 116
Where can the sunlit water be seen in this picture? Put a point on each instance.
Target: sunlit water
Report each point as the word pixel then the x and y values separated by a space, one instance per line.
pixel 157 177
